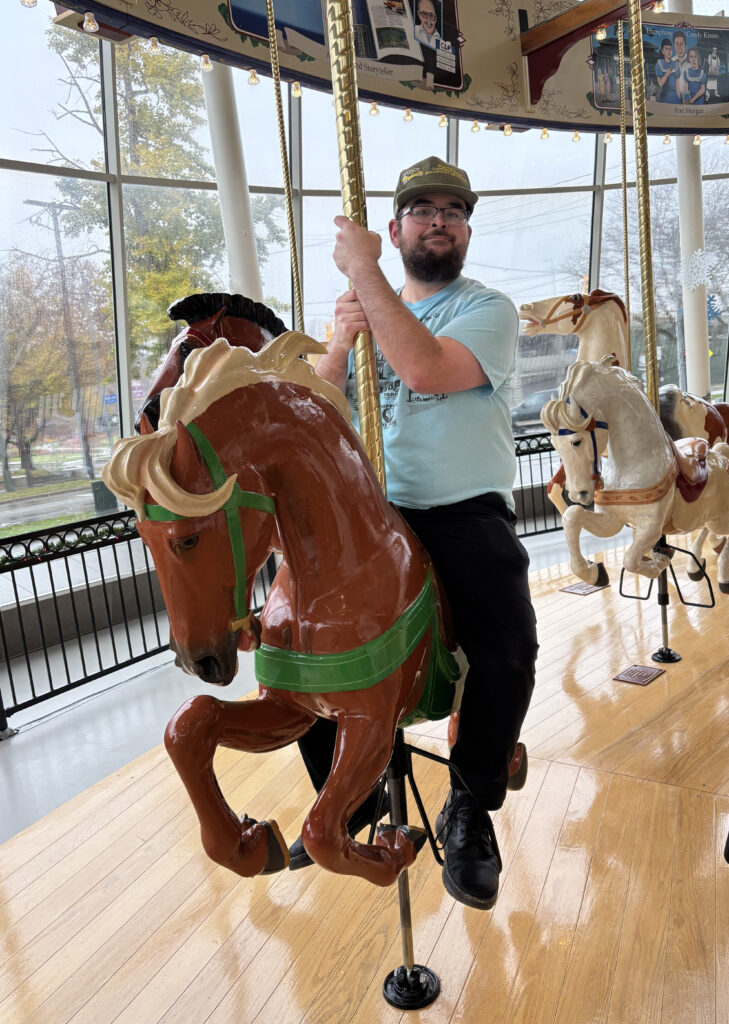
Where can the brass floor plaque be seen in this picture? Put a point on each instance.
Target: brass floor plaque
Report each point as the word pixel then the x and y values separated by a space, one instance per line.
pixel 641 675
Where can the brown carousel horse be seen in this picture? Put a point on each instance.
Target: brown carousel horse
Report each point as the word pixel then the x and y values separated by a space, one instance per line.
pixel 352 628
pixel 209 316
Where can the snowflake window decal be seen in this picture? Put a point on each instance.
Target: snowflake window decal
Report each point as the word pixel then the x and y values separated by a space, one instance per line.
pixel 696 269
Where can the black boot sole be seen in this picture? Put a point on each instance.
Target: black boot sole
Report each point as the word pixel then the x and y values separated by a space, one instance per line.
pixel 464 897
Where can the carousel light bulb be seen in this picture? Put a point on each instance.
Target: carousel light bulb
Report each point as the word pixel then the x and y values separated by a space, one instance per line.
pixel 697 140
pixel 607 138
pixel 601 33
pixel 205 63
pixel 253 78
pixel 666 140
pixel 508 129
pixel 154 46
pixel 296 90
pixel 443 123
pixel 726 141
pixel 29 3
pixel 658 7
pixel 408 115
pixel 576 136
pixel 374 109
pixel 544 134
pixel 90 23
pixel 475 127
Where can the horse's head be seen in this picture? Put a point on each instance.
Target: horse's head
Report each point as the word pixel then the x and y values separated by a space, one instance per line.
pixel 579 440
pixel 210 315
pixel 685 415
pixel 564 314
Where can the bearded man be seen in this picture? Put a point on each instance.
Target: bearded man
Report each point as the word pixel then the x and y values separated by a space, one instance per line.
pixel 446 353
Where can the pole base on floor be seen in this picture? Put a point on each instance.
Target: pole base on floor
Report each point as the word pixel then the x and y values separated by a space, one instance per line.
pixel 665 655
pixel 5 734
pixel 411 990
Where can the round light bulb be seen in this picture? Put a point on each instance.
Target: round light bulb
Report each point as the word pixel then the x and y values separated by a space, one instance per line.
pixel 296 90
pixel 607 138
pixel 408 115
pixel 374 109
pixel 205 63
pixel 666 140
pixel 658 7
pixel 475 127
pixel 576 136
pixel 601 33
pixel 697 140
pixel 90 23
pixel 29 3
pixel 443 123
pixel 154 46
pixel 726 141
pixel 544 134
pixel 253 78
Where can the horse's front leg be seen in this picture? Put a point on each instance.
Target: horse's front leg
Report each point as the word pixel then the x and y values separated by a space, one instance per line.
pixel 191 738
pixel 600 524
pixel 640 557
pixel 363 749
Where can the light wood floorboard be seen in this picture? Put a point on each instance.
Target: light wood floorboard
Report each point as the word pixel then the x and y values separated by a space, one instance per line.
pixel 614 902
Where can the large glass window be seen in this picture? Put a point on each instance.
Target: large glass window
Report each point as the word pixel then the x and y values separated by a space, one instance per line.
pixel 523 159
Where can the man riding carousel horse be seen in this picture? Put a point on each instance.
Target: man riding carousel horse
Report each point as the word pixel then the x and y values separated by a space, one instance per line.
pixel 445 366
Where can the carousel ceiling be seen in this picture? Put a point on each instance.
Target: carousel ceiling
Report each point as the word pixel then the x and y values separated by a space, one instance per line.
pixel 550 63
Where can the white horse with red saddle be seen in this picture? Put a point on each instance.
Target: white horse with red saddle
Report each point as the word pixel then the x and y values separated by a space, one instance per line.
pixel 646 481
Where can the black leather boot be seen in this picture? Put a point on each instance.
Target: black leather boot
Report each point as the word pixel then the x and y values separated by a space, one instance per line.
pixel 471 853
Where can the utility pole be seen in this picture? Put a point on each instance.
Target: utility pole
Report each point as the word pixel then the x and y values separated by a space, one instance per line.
pixel 77 397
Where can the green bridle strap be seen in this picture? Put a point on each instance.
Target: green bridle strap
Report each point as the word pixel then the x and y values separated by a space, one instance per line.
pixel 238 499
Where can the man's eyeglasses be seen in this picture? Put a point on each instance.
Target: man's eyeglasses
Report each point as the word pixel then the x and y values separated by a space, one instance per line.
pixel 424 213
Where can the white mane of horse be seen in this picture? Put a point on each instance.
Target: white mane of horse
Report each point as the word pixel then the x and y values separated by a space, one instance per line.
pixel 564 411
pixel 140 464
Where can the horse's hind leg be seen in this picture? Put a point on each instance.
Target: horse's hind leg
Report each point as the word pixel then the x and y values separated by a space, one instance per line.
pixel 361 756
pixel 191 738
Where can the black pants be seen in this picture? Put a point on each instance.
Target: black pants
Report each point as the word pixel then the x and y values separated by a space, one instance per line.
pixel 483 568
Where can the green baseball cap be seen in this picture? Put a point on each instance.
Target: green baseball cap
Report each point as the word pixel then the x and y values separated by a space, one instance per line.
pixel 433 175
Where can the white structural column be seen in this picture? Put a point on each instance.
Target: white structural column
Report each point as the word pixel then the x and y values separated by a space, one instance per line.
pixel 230 171
pixel 691 233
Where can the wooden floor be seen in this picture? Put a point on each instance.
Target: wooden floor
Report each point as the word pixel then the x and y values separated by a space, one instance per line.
pixel 614 903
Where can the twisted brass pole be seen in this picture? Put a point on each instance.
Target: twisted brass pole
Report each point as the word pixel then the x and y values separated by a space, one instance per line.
pixel 298 299
pixel 644 210
pixel 624 166
pixel 344 88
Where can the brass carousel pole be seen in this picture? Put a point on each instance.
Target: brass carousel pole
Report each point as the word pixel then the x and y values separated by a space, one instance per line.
pixel 344 88
pixel 664 653
pixel 410 986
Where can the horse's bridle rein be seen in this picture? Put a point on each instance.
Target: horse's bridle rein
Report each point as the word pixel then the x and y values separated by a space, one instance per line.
pixel 238 499
pixel 590 427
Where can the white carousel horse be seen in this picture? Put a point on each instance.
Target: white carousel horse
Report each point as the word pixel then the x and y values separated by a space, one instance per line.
pixel 599 320
pixel 649 482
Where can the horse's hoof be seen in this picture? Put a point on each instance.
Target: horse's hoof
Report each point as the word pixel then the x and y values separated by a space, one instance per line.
pixel 518 768
pixel 277 854
pixel 603 579
pixel 724 587
pixel 417 836
pixel 698 574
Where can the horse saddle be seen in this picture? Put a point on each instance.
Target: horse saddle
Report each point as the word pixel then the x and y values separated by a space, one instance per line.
pixel 693 469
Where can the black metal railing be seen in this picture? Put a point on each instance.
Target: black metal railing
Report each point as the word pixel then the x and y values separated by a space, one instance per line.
pixel 77 603
pixel 536 464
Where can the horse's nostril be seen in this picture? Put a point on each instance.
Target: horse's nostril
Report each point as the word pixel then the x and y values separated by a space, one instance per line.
pixel 209 669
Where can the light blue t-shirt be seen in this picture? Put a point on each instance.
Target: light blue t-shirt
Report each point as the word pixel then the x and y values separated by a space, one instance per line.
pixel 443 448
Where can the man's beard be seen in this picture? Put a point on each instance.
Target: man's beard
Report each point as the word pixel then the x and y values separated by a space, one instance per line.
pixel 423 264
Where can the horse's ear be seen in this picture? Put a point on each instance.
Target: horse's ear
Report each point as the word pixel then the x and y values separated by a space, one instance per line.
pixel 187 467
pixel 145 427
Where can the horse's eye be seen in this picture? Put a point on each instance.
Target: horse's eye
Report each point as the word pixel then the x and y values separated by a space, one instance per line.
pixel 181 544
pixel 577 443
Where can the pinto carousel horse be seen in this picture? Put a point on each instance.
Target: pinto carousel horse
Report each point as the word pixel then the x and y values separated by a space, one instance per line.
pixel 209 316
pixel 599 320
pixel 352 629
pixel 649 482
